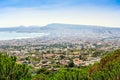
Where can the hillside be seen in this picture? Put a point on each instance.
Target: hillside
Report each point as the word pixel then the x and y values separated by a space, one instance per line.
pixel 107 69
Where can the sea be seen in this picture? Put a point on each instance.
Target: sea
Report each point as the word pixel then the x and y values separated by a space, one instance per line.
pixel 16 35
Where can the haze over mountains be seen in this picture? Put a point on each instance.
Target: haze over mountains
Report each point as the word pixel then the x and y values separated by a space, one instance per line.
pixel 69 30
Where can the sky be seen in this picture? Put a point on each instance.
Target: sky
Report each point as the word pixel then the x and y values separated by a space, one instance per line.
pixel 42 12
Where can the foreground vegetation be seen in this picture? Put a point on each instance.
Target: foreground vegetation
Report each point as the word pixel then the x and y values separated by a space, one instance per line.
pixel 107 69
pixel 10 70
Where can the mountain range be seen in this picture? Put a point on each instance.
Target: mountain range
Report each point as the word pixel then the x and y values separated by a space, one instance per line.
pixel 68 30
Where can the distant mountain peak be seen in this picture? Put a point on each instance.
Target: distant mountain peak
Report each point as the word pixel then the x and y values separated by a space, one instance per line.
pixel 67 30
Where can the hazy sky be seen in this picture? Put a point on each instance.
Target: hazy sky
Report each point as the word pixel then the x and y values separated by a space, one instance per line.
pixel 43 12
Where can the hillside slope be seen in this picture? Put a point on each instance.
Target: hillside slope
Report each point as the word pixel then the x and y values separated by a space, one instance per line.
pixel 108 68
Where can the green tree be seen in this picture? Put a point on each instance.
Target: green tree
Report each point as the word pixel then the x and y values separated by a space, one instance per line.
pixel 10 70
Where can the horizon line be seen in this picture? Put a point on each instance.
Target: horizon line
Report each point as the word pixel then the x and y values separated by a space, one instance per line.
pixel 59 24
